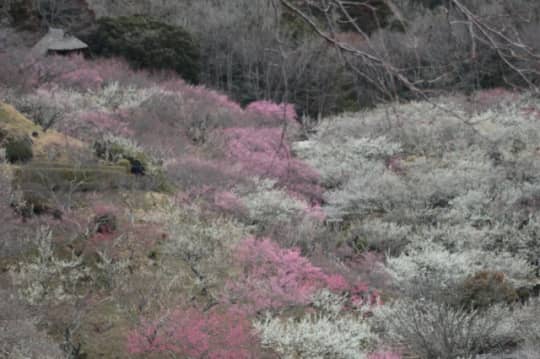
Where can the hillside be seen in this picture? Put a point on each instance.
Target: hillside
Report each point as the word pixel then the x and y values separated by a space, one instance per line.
pixel 146 215
pixel 182 223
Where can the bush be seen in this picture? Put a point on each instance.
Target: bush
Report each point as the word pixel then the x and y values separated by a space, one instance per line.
pixel 204 244
pixel 47 277
pixel 267 205
pixel 436 330
pixel 486 288
pixel 438 270
pixel 277 112
pixel 265 152
pixel 147 43
pixel 118 149
pixel 379 236
pixel 19 335
pixel 317 336
pixel 105 220
pixel 273 277
pixel 19 150
pixel 15 132
pixel 529 327
pixel 329 330
pixel 196 334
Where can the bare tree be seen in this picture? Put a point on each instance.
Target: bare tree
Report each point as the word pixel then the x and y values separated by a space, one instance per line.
pixel 378 60
pixel 73 15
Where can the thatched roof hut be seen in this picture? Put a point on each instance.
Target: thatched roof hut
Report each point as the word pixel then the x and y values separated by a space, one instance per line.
pixel 58 42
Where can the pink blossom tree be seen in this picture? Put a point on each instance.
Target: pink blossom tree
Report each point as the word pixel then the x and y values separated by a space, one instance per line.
pixel 273 111
pixel 264 152
pixel 195 334
pixel 98 122
pixel 384 355
pixel 273 277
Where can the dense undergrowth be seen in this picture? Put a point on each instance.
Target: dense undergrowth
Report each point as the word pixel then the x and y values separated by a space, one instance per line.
pixel 407 230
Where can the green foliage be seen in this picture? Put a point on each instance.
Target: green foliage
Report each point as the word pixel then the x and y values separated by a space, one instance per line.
pixel 148 43
pixel 23 14
pixel 15 131
pixel 19 150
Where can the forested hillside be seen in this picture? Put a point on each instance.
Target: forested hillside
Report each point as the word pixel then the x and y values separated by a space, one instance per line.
pixel 269 179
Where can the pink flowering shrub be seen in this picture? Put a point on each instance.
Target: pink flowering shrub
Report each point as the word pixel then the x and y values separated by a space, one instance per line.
pixel 118 70
pixel 358 276
pixel 195 334
pixel 104 122
pixel 228 202
pixel 264 152
pixel 396 165
pixel 83 78
pixel 82 74
pixel 337 283
pixel 217 99
pixel 384 355
pixel 201 103
pixel 273 111
pixel 76 71
pixel 16 71
pixel 315 212
pixel 273 277
pixel 179 116
pixel 312 208
pixel 66 71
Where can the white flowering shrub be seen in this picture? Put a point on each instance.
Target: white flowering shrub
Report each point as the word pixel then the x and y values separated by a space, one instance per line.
pixel 127 146
pixel 436 167
pixel 111 271
pixel 48 277
pixel 330 332
pixel 196 238
pixel 114 96
pixel 266 204
pixel 118 149
pixel 435 263
pixel 337 159
pixel 111 97
pixel 316 336
pixel 41 110
pixel 450 194
pixel 204 244
pixel 321 335
pixel 373 190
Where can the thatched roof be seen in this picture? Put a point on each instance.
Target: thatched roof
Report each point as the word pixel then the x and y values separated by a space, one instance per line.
pixel 57 40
